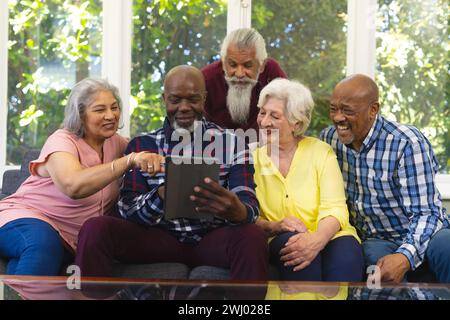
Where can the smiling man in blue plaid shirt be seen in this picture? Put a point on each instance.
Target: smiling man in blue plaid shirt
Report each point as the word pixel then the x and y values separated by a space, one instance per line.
pixel 389 171
pixel 144 235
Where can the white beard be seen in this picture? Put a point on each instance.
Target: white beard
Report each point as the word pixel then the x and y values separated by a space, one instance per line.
pixel 239 98
pixel 191 128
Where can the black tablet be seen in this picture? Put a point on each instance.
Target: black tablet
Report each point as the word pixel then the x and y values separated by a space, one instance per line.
pixel 182 175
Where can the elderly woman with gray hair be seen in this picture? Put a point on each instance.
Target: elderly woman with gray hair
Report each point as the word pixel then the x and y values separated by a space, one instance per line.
pixel 76 177
pixel 301 192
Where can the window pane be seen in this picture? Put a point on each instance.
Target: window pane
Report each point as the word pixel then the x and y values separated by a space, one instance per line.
pixel 52 45
pixel 308 38
pixel 166 34
pixel 412 68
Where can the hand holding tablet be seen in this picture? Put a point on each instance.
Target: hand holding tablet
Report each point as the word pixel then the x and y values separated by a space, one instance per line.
pixel 214 199
pixel 182 176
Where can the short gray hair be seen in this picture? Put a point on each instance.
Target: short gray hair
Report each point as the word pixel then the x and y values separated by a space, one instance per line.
pixel 245 38
pixel 299 103
pixel 82 95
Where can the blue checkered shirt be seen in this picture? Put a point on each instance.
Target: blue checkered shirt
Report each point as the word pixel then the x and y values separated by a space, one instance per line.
pixel 139 200
pixel 390 186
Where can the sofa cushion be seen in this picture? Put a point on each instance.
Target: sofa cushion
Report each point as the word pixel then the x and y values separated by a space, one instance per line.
pixel 30 155
pixel 153 270
pixel 2 266
pixel 209 273
pixel 12 179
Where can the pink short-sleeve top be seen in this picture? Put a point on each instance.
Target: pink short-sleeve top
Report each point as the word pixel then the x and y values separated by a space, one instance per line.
pixel 38 197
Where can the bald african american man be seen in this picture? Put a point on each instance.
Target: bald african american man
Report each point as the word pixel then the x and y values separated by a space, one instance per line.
pixel 144 235
pixel 389 171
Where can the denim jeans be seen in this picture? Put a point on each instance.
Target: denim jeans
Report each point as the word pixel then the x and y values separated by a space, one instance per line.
pixel 437 255
pixel 33 247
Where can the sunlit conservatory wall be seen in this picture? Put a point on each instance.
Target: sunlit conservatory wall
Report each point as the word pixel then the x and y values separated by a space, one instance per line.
pixel 133 43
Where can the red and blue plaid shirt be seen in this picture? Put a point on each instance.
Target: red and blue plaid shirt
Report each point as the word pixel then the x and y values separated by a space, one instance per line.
pixel 139 200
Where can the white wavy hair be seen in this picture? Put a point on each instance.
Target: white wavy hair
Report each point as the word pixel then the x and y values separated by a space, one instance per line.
pixel 299 103
pixel 82 95
pixel 245 38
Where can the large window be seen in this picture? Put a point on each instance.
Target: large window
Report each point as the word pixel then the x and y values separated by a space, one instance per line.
pixel 166 34
pixel 412 68
pixel 308 38
pixel 52 44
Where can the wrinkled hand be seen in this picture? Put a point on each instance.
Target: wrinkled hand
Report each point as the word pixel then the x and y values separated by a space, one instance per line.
pixel 291 224
pixel 393 267
pixel 300 250
pixel 152 163
pixel 219 201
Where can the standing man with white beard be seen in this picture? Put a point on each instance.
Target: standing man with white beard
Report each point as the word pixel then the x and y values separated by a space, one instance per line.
pixel 233 84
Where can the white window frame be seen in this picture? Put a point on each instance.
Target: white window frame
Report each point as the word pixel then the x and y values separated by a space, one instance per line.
pixel 116 54
pixel 361 40
pixel 239 14
pixel 4 23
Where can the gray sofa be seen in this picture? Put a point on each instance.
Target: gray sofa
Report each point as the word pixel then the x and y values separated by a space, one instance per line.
pixel 12 179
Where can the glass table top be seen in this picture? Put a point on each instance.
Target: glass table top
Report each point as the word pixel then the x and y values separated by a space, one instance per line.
pixel 69 288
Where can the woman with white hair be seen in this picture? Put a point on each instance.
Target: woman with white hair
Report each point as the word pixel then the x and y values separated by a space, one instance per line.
pixel 301 192
pixel 76 177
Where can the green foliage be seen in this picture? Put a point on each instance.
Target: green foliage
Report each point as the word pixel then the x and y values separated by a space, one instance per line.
pixel 308 38
pixel 166 34
pixel 43 33
pixel 412 52
pixel 146 107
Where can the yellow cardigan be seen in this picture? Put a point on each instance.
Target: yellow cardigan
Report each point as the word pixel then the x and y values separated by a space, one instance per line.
pixel 312 190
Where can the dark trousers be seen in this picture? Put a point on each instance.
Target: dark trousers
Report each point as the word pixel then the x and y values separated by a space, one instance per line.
pixel 103 240
pixel 340 260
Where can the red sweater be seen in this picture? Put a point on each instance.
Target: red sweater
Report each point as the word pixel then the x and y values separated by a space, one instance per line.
pixel 216 109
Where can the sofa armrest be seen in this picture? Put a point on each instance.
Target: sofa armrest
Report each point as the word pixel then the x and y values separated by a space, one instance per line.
pixel 12 179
